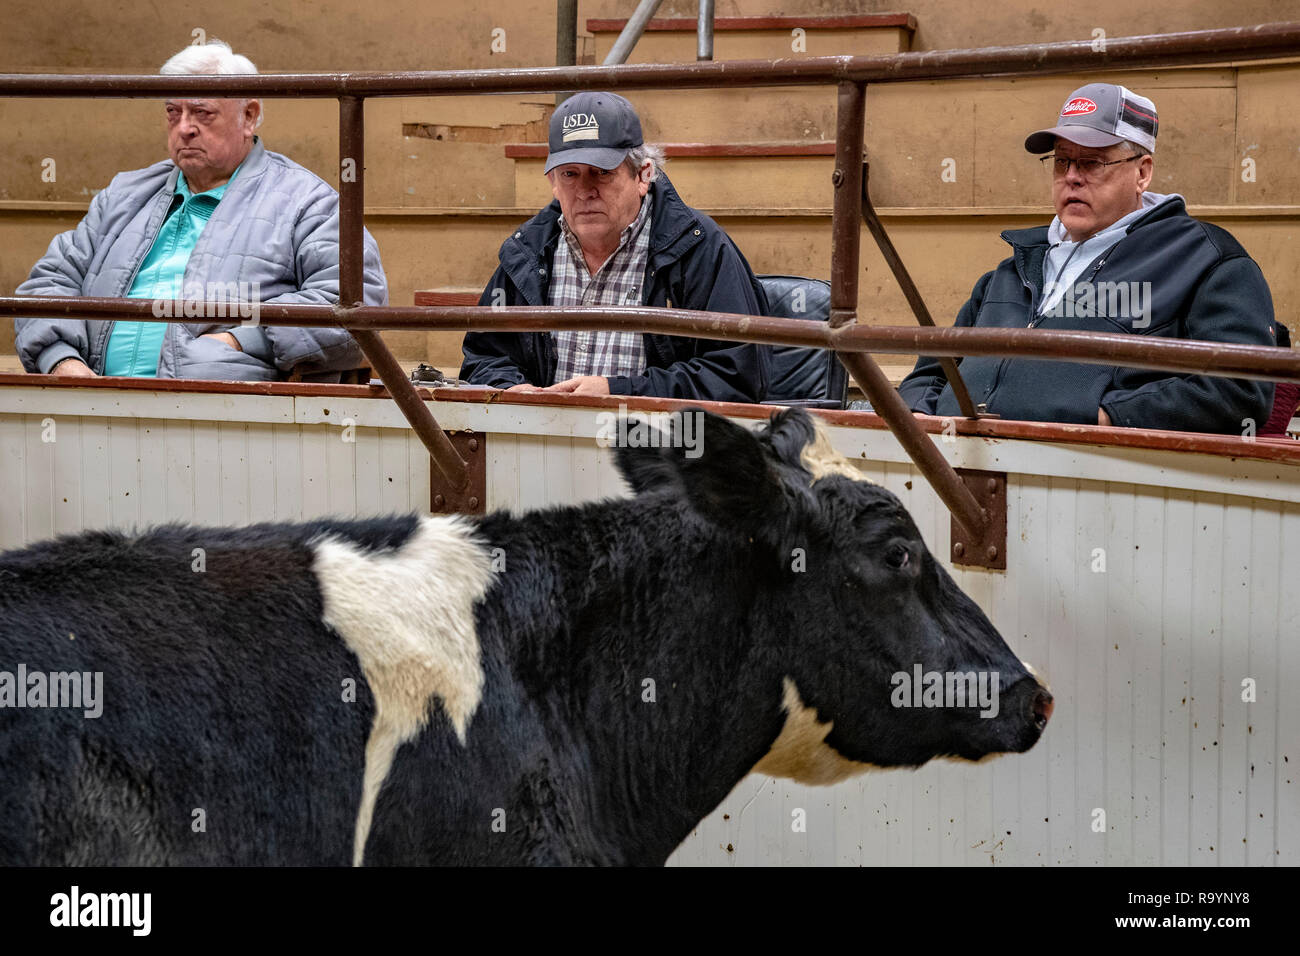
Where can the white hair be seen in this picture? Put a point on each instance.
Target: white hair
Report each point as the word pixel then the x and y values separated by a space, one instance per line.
pixel 646 152
pixel 214 58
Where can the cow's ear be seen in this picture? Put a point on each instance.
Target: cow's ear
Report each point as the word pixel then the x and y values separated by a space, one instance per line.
pixel 647 469
pixel 721 468
pixel 788 433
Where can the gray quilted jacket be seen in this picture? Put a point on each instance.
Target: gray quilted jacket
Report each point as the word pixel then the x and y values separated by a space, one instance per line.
pixel 276 226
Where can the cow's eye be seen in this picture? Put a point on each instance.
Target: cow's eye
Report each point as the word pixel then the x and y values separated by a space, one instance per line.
pixel 897 556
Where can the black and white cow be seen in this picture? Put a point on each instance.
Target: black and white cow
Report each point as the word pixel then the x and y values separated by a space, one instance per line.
pixel 576 685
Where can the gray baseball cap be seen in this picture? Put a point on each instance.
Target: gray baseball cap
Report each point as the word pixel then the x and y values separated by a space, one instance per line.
pixel 598 129
pixel 1100 114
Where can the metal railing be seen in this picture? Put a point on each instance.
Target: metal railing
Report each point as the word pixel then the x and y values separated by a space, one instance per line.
pixel 850 341
pixel 631 33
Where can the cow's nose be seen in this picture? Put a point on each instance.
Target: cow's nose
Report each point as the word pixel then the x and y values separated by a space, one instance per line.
pixel 1042 707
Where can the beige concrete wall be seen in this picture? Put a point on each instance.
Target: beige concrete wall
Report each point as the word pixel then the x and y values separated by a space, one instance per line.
pixel 950 24
pixel 123 36
pixel 720 182
pixel 681 47
pixel 440 152
pixel 441 195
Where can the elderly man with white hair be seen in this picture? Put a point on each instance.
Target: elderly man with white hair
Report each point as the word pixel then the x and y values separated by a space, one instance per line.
pixel 224 219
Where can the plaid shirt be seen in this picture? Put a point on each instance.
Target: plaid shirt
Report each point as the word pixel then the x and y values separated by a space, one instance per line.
pixel 616 282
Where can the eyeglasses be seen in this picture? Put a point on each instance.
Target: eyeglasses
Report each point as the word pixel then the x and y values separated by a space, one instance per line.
pixel 1090 169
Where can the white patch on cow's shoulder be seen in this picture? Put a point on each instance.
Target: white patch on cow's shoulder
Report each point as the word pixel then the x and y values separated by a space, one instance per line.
pixel 821 459
pixel 408 615
pixel 801 752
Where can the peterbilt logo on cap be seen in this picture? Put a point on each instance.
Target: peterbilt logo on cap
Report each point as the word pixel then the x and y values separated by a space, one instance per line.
pixel 1079 105
pixel 581 126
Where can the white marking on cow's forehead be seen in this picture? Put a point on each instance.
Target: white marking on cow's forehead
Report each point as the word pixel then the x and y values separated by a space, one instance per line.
pixel 821 459
pixel 800 752
pixel 408 615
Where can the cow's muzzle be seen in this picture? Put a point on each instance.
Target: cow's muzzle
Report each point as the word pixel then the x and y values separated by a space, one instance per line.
pixel 1040 707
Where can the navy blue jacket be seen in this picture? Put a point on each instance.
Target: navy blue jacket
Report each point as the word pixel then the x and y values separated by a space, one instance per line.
pixel 1203 285
pixel 693 264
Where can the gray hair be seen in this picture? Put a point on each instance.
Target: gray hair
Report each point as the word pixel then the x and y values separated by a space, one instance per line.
pixel 214 58
pixel 638 156
pixel 1138 150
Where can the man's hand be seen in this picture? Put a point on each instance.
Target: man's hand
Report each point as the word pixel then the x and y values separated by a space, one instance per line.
pixel 1102 417
pixel 582 385
pixel 74 368
pixel 224 337
pixel 523 387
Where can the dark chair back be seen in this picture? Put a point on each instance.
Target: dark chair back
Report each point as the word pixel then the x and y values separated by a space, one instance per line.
pixel 1286 396
pixel 811 378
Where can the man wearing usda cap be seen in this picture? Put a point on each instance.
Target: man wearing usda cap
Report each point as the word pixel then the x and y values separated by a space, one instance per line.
pixel 617 234
pixel 1117 258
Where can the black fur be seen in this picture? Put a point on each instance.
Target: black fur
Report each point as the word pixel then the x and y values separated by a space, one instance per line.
pixel 223 689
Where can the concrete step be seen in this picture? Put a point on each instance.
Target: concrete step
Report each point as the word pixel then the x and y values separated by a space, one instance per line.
pixel 777 114
pixel 673 40
pixel 732 175
pixel 460 295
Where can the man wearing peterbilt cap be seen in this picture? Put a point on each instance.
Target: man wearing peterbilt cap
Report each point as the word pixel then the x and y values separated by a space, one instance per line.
pixel 1117 258
pixel 617 234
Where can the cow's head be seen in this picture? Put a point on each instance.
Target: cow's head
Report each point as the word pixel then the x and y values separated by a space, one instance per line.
pixel 882 659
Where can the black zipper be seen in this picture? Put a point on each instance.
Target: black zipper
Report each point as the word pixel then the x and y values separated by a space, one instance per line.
pixel 1033 310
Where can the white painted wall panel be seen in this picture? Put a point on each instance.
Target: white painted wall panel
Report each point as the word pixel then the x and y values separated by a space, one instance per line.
pixel 133 472
pixel 1146 658
pixel 1285 704
pixel 95 475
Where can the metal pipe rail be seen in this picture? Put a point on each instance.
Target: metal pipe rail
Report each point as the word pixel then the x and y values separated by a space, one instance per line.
pixel 1261 363
pixel 848 72
pixel 704 31
pixel 566 38
pixel 1263 41
pixel 632 31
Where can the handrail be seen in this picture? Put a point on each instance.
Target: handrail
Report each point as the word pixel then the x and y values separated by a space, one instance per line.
pixel 627 40
pixel 851 74
pixel 566 38
pixel 1259 362
pixel 704 31
pixel 352 144
pixel 1263 41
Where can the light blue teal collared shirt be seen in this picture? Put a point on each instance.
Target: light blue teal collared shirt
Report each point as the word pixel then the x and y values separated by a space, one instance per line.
pixel 134 347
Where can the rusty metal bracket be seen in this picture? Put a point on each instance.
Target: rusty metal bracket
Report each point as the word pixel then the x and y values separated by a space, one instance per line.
pixel 471 498
pixel 989 549
pixel 352 143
